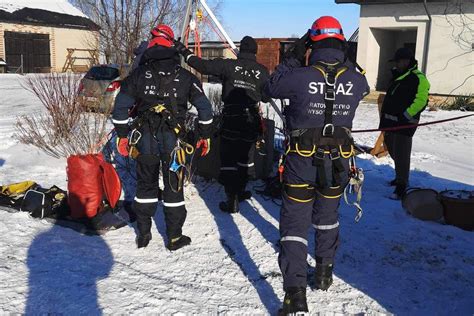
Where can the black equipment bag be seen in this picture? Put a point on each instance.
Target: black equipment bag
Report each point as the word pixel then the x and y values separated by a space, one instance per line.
pixel 41 203
pixel 37 204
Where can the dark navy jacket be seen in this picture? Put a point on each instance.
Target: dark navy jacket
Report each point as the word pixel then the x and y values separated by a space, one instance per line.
pixel 159 80
pixel 304 87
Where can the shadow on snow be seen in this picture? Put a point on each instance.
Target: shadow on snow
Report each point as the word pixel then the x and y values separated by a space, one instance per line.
pixel 63 272
pixel 404 264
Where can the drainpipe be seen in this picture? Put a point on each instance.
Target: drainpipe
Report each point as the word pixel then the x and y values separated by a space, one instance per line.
pixel 427 39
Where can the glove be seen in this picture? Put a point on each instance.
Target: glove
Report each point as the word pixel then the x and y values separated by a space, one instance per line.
pixel 205 143
pixel 122 146
pixel 183 50
pixel 406 118
pixel 205 131
pixel 300 47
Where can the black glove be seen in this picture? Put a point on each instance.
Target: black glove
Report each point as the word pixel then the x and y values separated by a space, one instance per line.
pixel 183 50
pixel 205 130
pixel 405 118
pixel 300 46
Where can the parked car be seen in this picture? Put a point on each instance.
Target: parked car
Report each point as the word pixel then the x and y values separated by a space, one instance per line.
pixel 100 86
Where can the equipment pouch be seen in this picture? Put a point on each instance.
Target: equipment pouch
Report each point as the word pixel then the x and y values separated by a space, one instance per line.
pixel 37 204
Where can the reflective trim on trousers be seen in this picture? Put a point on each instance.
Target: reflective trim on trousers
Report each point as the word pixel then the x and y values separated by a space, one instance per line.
pixel 120 121
pixel 145 201
pixel 176 204
pixel 326 227
pixel 228 169
pixel 295 238
pixel 205 122
pixel 247 165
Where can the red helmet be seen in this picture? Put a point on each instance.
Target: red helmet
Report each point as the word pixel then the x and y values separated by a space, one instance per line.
pixel 162 35
pixel 326 27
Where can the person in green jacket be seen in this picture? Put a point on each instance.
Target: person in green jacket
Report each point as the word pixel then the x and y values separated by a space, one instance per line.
pixel 406 98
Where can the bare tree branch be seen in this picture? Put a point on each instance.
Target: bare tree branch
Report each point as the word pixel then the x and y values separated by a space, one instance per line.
pixel 125 23
pixel 64 128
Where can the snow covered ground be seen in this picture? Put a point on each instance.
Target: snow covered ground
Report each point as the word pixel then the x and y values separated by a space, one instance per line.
pixel 387 263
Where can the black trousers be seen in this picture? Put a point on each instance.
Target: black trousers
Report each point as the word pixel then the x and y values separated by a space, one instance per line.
pixel 155 153
pixel 399 147
pixel 238 137
pixel 237 164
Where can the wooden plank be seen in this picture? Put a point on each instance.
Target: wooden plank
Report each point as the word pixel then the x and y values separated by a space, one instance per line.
pixel 380 149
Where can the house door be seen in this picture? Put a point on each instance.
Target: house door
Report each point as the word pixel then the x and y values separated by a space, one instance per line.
pixel 29 50
pixel 410 46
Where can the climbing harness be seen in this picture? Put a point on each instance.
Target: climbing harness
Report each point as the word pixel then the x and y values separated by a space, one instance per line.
pixel 318 144
pixel 133 140
pixel 179 165
pixel 356 181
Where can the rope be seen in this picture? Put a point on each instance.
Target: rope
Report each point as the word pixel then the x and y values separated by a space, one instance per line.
pixel 205 19
pixel 391 129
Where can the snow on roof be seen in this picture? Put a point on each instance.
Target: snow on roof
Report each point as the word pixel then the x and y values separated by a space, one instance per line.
pixel 59 6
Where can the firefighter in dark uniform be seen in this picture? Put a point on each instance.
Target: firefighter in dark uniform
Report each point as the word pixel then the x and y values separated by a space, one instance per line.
pixel 161 89
pixel 243 80
pixel 323 99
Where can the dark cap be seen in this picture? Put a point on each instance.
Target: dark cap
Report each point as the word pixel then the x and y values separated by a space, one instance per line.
pixel 248 45
pixel 403 53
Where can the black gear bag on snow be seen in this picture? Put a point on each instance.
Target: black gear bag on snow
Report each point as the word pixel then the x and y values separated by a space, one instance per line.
pixel 41 203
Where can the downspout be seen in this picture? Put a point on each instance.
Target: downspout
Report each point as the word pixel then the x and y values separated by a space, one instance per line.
pixel 427 39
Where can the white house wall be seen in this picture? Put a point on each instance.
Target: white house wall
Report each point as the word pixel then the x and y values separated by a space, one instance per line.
pixel 449 64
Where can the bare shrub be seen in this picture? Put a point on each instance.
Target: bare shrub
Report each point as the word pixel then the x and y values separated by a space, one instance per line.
pixel 124 24
pixel 64 128
pixel 462 103
pixel 215 97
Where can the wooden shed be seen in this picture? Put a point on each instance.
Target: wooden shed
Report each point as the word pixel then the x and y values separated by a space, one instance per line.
pixel 38 36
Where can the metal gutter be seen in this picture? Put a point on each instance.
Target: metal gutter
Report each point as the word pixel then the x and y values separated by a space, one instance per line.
pixel 427 39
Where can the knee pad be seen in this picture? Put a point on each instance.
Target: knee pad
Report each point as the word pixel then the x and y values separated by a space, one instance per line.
pixel 302 193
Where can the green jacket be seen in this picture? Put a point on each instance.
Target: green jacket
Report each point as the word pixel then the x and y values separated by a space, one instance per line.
pixel 406 98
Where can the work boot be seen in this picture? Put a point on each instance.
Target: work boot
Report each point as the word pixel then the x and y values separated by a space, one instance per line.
pixel 180 242
pixel 232 204
pixel 143 240
pixel 294 303
pixel 323 276
pixel 244 195
pixel 399 192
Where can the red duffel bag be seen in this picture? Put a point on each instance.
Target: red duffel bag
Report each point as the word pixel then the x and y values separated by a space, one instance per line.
pixel 88 182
